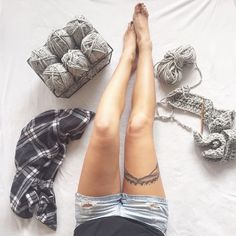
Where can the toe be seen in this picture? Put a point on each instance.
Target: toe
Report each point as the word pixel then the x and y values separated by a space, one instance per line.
pixel 138 8
pixel 131 25
pixel 143 8
pixel 146 11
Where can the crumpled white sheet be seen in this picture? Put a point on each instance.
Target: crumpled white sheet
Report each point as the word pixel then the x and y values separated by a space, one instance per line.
pixel 202 195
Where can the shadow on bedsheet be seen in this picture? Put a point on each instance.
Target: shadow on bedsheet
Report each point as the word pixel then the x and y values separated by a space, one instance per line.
pixel 88 96
pixel 215 169
pixel 31 224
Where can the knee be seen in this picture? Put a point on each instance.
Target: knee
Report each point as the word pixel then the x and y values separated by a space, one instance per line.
pixel 139 123
pixel 104 127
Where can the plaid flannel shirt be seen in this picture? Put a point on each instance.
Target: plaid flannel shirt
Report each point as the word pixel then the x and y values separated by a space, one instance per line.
pixel 39 153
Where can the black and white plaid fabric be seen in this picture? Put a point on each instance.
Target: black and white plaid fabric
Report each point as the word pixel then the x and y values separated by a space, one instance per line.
pixel 39 153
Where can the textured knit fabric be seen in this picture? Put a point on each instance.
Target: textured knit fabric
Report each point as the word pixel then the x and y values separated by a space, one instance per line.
pixel 218 146
pixel 172 68
pixel 216 120
pixel 39 153
pixel 220 143
pixel 117 226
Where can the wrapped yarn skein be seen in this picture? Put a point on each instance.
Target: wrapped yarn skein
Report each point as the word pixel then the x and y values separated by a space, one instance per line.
pixel 41 58
pixel 175 63
pixel 76 62
pixel 59 42
pixel 57 78
pixel 94 47
pixel 78 29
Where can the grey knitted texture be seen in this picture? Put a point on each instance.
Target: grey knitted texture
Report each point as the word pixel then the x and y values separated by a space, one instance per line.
pixel 218 146
pixel 61 64
pixel 216 120
pixel 79 28
pixel 176 65
pixel 220 143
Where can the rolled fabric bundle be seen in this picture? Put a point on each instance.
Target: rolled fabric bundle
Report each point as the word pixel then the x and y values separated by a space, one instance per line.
pixel 76 62
pixel 94 47
pixel 58 79
pixel 78 29
pixel 40 151
pixel 41 58
pixel 59 42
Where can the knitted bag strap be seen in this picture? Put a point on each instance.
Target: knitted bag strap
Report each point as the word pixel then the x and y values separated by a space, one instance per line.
pixel 171 118
pixel 220 143
pixel 216 120
pixel 174 103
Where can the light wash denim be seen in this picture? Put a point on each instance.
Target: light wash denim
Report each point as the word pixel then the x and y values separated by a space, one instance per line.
pixel 151 210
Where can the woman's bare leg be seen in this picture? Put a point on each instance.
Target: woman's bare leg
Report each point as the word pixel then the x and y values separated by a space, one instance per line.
pixel 141 167
pixel 100 173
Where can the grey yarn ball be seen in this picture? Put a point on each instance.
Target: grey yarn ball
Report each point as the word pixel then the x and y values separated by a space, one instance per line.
pixel 76 62
pixel 175 62
pixel 58 79
pixel 41 58
pixel 78 29
pixel 59 42
pixel 94 47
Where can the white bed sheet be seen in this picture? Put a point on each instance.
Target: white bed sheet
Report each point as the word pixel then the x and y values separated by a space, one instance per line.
pixel 202 195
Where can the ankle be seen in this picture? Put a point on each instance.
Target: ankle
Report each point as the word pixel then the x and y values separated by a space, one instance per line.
pixel 144 44
pixel 127 55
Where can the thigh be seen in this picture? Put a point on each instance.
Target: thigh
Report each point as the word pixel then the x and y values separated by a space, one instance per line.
pixel 100 173
pixel 142 174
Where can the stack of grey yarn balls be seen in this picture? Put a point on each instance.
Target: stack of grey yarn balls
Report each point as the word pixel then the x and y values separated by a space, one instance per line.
pixel 68 55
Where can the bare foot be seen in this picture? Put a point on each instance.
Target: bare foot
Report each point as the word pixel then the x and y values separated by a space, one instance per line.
pixel 129 46
pixel 140 19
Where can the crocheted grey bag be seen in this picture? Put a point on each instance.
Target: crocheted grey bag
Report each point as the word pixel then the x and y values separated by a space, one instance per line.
pixel 220 143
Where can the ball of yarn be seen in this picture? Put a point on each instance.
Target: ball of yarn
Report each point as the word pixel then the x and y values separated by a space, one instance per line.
pixel 59 42
pixel 58 79
pixel 41 58
pixel 171 68
pixel 94 47
pixel 78 29
pixel 76 62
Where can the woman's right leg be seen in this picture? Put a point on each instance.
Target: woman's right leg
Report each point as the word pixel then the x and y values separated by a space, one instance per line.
pixel 100 173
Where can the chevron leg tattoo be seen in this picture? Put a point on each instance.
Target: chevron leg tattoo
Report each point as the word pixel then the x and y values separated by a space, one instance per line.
pixel 147 179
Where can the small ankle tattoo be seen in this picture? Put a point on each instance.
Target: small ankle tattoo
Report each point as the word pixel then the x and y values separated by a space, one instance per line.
pixel 148 179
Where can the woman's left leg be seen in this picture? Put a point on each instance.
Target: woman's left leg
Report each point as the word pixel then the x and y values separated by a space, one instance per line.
pixel 142 175
pixel 144 197
pixel 100 173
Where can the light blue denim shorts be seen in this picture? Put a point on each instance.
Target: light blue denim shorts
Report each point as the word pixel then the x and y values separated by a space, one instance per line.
pixel 151 210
